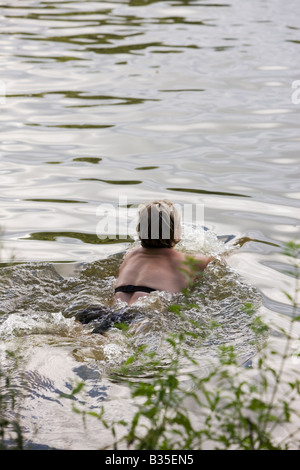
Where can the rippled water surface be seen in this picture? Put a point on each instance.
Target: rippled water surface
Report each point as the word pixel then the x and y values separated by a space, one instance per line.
pixel 110 104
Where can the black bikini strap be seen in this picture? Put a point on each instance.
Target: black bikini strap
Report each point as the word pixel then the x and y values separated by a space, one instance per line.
pixel 130 289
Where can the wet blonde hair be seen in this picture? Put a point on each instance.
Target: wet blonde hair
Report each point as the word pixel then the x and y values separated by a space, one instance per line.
pixel 159 224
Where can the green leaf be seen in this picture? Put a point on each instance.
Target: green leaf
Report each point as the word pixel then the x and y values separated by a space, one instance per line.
pixel 175 309
pixel 129 360
pixel 288 296
pixel 78 388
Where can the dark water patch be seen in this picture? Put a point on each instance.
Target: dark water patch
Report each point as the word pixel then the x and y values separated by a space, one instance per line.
pixel 142 3
pixel 136 48
pixel 122 49
pixel 179 90
pixel 65 58
pixel 180 20
pixel 81 95
pixel 59 201
pixel 166 52
pixel 89 39
pixel 147 167
pixel 92 160
pixel 112 181
pixel 203 191
pixel 79 126
pixel 71 126
pixel 222 48
pixel 89 238
pixel 46 15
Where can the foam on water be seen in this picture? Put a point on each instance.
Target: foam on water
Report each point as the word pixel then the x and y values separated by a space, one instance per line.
pixel 197 239
pixel 37 300
pixel 20 324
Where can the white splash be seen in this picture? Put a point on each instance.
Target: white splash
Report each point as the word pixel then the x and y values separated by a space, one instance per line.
pixel 17 324
pixel 196 239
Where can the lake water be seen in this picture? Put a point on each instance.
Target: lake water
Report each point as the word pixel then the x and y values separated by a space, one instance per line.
pixel 110 104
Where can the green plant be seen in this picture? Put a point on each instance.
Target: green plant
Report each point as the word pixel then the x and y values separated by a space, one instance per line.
pixel 11 434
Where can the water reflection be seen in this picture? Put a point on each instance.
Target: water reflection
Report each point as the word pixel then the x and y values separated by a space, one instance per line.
pixel 83 237
pixel 81 95
pixel 202 191
pixel 92 160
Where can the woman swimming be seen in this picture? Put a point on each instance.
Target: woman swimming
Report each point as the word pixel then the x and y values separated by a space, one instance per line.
pixel 155 265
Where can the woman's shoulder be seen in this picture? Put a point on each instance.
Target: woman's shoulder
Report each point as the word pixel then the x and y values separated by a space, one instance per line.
pixel 133 252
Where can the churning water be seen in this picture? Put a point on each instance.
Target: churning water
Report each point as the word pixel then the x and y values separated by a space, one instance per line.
pixel 40 301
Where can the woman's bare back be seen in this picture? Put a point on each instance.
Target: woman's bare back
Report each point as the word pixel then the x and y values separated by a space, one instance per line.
pixel 160 269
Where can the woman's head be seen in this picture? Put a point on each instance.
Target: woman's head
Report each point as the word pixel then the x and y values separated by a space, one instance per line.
pixel 159 224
